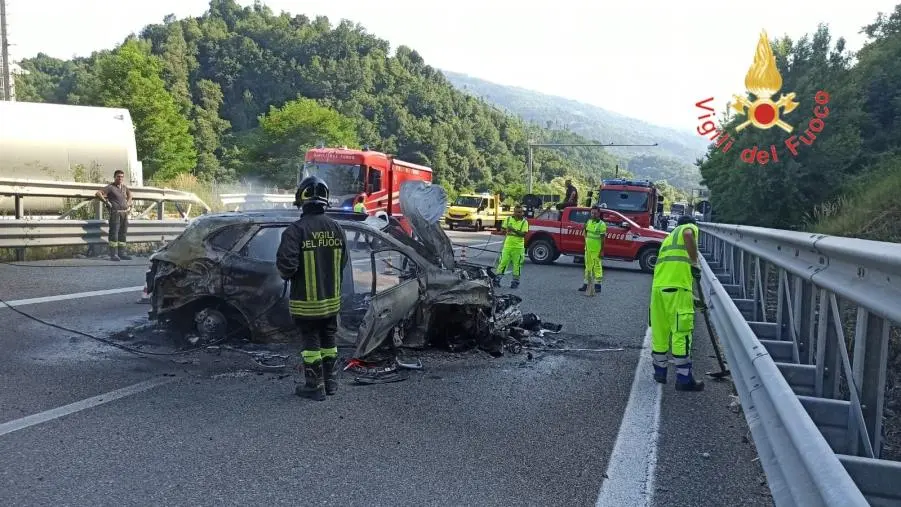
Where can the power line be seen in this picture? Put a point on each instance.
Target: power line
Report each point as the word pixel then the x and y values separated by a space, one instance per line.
pixel 5 74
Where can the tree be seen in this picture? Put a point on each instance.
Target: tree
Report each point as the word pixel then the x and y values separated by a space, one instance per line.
pixel 286 133
pixel 130 78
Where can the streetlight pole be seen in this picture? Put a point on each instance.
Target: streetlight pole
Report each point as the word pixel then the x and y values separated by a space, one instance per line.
pixel 594 145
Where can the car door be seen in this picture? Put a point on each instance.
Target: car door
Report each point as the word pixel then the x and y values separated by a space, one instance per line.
pixel 395 294
pixel 251 279
pixel 616 243
pixel 573 231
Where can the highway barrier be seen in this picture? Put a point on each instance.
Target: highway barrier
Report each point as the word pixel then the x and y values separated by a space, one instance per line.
pixel 788 306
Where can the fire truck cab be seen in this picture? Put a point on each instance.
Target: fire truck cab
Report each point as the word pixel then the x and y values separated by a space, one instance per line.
pixel 637 199
pixel 371 174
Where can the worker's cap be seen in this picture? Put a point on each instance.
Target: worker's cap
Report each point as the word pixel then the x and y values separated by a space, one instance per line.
pixel 686 219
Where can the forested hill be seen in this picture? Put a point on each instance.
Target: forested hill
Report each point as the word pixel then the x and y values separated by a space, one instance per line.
pixel 242 92
pixel 844 176
pixel 673 160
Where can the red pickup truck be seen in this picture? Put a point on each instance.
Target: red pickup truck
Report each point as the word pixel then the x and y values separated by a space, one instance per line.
pixel 554 233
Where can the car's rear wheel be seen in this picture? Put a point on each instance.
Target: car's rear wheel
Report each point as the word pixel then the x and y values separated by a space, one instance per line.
pixel 647 259
pixel 542 251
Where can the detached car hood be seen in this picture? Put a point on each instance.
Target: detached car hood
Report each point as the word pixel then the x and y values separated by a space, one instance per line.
pixel 423 204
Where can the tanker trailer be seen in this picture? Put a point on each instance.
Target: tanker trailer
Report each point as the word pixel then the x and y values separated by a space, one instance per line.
pixel 64 143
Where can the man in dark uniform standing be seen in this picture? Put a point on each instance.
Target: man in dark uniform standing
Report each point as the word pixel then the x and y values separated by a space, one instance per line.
pixel 117 197
pixel 572 196
pixel 313 255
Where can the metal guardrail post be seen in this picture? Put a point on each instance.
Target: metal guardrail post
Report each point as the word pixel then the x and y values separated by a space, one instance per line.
pixel 797 328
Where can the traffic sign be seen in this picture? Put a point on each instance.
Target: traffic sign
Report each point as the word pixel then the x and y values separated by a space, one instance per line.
pixel 704 207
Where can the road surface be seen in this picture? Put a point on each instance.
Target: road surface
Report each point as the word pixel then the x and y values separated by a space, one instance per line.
pixel 82 423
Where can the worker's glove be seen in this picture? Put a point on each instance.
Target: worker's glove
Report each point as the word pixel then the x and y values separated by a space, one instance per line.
pixel 696 273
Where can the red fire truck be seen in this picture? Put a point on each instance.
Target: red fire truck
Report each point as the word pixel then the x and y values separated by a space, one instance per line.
pixel 351 173
pixel 637 199
pixel 554 233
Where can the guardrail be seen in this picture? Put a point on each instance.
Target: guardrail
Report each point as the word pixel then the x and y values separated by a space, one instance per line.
pixel 42 233
pixel 236 201
pixel 786 345
pixel 21 189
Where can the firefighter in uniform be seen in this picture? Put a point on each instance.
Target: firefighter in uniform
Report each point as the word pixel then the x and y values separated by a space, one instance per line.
pixel 118 200
pixel 595 232
pixel 672 310
pixel 313 255
pixel 514 251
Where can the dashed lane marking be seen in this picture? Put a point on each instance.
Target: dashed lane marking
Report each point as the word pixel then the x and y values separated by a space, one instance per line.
pixel 630 472
pixel 56 413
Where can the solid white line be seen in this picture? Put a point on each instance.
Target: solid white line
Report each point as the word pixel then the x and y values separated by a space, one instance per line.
pixel 49 415
pixel 630 472
pixel 77 295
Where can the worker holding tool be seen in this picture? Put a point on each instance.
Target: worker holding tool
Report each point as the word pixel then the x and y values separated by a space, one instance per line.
pixel 595 232
pixel 313 255
pixel 514 252
pixel 672 308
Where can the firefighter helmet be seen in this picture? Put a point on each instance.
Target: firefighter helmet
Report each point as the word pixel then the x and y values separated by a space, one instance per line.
pixel 311 189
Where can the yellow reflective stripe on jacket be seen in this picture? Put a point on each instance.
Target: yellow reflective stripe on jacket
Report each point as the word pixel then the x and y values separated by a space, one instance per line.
pixel 337 267
pixel 309 274
pixel 320 308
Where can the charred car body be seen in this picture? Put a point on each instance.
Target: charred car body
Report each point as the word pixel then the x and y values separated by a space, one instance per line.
pixel 219 275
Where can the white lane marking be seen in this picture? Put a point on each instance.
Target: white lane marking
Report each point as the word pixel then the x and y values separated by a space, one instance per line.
pixel 77 295
pixel 55 413
pixel 630 472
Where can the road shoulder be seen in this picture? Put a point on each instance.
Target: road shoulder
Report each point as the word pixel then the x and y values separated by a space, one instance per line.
pixel 705 452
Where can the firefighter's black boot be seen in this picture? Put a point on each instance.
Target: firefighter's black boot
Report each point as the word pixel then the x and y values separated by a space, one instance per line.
pixel 515 283
pixel 597 288
pixel 123 254
pixel 660 374
pixel 314 388
pixel 113 256
pixel 329 375
pixel 583 288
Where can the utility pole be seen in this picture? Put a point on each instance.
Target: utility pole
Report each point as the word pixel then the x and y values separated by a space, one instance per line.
pixel 539 145
pixel 5 74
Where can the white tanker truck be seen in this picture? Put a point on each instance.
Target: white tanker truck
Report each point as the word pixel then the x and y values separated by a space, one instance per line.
pixel 64 143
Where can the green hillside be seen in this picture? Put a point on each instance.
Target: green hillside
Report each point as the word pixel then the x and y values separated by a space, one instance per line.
pixel 240 93
pixel 673 160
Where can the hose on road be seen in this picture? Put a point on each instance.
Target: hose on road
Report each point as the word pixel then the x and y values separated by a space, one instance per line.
pixel 138 351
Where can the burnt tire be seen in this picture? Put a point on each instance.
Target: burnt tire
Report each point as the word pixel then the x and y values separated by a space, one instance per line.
pixel 647 259
pixel 542 251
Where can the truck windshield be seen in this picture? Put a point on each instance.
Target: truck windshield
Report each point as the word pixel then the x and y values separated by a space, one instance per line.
pixel 468 201
pixel 344 181
pixel 623 200
pixel 677 209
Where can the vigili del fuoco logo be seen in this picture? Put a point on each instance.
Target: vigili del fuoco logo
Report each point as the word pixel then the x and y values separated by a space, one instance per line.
pixel 763 81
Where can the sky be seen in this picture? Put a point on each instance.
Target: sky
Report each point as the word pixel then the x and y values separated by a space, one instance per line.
pixel 647 59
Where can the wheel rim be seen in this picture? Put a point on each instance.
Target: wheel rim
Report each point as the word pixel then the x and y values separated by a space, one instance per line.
pixel 652 260
pixel 541 252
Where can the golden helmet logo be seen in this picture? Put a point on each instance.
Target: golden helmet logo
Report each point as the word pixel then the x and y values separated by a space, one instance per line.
pixel 763 81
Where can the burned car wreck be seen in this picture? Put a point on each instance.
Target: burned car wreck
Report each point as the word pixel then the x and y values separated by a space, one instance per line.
pixel 219 277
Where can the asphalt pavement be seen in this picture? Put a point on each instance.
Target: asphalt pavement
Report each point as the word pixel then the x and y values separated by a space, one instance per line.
pixel 82 423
